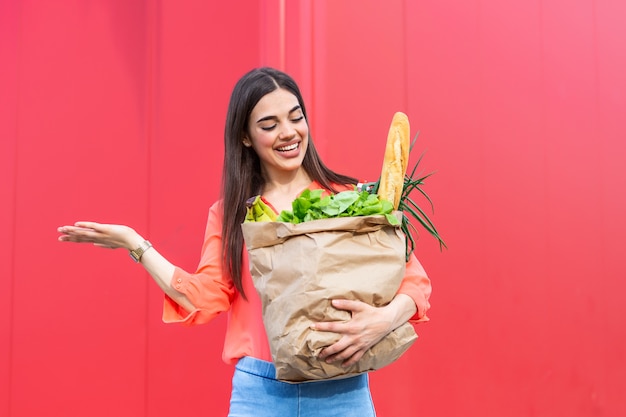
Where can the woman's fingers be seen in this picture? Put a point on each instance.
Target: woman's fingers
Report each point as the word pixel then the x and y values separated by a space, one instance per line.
pixel 102 235
pixel 339 352
pixel 75 234
pixel 354 306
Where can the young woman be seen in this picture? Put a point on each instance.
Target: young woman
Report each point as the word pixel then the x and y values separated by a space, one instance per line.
pixel 268 152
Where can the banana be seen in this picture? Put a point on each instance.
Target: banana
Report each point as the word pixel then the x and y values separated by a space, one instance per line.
pixel 258 211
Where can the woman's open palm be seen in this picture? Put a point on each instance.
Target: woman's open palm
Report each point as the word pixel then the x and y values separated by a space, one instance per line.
pixel 110 236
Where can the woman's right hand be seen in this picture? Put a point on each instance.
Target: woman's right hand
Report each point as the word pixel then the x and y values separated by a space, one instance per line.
pixel 110 236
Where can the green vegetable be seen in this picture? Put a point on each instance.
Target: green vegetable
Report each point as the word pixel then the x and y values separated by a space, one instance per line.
pixel 310 205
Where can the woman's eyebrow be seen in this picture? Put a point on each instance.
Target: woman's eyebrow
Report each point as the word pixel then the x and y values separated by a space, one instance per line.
pixel 262 119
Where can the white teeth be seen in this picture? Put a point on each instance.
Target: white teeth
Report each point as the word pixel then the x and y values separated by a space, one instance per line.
pixel 288 148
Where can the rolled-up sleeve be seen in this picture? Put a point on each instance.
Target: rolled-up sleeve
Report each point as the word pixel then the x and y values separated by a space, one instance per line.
pixel 416 285
pixel 209 289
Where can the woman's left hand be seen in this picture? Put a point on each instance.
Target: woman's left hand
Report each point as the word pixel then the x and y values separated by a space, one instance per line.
pixel 367 327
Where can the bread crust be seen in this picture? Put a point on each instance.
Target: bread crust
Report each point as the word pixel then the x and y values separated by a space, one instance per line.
pixel 396 159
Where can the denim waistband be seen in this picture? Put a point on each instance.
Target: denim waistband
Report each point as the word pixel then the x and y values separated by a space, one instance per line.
pixel 257 367
pixel 257 392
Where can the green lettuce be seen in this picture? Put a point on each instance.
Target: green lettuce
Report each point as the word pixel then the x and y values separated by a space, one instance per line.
pixel 312 205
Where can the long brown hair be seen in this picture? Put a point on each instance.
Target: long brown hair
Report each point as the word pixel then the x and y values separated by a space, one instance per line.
pixel 242 177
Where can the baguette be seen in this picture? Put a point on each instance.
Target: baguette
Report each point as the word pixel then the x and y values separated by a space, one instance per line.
pixel 396 159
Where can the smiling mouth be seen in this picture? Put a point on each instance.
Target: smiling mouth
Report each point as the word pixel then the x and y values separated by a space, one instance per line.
pixel 289 147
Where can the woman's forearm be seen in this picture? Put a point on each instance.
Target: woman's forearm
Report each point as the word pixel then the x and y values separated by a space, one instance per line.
pixel 162 271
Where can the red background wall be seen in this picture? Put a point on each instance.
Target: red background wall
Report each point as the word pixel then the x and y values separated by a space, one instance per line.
pixel 113 111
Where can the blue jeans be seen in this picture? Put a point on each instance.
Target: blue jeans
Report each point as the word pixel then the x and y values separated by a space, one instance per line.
pixel 257 393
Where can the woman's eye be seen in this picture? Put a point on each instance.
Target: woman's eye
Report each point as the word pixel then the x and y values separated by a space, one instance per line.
pixel 268 128
pixel 297 119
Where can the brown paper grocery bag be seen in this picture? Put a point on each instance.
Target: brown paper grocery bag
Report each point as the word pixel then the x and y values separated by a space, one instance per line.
pixel 298 269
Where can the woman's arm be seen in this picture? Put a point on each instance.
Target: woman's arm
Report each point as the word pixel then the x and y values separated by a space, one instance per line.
pixel 115 236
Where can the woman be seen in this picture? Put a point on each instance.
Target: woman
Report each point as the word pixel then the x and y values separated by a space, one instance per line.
pixel 268 152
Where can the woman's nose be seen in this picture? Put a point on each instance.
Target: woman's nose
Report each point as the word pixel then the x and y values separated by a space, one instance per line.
pixel 287 131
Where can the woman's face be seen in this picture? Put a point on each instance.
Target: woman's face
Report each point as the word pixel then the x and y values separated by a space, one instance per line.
pixel 278 133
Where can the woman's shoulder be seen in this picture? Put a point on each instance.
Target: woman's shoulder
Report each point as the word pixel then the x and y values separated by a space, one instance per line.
pixel 216 205
pixel 216 210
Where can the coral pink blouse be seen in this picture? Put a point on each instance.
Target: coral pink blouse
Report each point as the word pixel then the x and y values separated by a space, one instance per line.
pixel 213 292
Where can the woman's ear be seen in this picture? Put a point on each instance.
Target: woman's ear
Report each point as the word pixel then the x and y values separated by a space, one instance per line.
pixel 246 142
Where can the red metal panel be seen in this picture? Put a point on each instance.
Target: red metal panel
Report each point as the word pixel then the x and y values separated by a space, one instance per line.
pixel 272 35
pixel 524 170
pixel 475 99
pixel 9 73
pixel 359 72
pixel 201 50
pixel 79 313
pixel 443 54
pixel 607 304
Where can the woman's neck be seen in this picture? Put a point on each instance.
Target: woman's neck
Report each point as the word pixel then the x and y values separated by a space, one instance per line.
pixel 280 192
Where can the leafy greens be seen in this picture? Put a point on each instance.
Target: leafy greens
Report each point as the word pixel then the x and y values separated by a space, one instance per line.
pixel 312 205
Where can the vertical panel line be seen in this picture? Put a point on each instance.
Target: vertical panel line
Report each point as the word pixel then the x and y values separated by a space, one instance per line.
pixel 542 121
pixel 596 128
pixel 13 254
pixel 312 83
pixel 405 54
pixel 281 34
pixel 152 8
pixel 262 31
